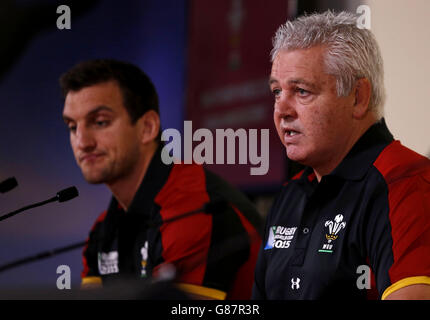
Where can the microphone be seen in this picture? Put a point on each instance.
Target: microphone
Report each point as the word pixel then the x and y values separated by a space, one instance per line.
pixel 63 195
pixel 67 194
pixel 8 184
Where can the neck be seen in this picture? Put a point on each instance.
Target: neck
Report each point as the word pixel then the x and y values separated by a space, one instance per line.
pixel 125 188
pixel 326 168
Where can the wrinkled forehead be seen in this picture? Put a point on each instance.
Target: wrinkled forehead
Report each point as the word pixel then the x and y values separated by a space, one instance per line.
pixel 305 64
pixel 301 56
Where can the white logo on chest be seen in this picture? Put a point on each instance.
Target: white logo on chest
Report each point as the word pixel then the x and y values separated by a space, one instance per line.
pixel 295 283
pixel 108 262
pixel 333 232
pixel 144 253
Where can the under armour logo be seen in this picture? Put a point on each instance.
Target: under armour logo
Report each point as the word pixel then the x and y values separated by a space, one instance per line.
pixel 295 284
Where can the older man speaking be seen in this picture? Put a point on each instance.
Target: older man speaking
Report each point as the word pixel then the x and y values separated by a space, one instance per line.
pixel 356 221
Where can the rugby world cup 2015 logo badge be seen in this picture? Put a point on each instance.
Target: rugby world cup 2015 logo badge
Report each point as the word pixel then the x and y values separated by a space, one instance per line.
pixel 333 232
pixel 280 237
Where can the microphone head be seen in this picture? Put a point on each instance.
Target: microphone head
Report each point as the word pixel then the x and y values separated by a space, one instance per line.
pixel 67 194
pixel 215 206
pixel 8 184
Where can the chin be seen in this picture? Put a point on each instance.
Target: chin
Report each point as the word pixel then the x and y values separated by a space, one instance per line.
pixel 296 155
pixel 93 178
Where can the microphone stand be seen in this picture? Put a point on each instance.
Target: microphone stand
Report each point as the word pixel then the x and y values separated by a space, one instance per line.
pixel 11 214
pixel 63 195
pixel 42 255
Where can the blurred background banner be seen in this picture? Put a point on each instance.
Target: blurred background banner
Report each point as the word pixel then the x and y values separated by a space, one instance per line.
pixel 210 63
pixel 227 84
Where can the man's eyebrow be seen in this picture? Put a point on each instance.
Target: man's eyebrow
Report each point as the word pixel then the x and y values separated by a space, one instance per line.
pixel 301 81
pixel 98 109
pixel 91 113
pixel 294 81
pixel 66 119
pixel 272 80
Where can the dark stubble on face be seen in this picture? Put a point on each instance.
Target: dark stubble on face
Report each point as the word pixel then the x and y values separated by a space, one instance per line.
pixel 117 169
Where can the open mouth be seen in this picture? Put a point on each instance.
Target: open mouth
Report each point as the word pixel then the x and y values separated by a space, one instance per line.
pixel 291 133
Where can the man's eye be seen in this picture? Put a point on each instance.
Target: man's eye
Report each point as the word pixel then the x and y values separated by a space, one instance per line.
pixel 276 92
pixel 101 123
pixel 72 128
pixel 302 92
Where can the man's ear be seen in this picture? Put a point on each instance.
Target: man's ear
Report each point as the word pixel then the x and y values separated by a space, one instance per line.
pixel 149 126
pixel 363 90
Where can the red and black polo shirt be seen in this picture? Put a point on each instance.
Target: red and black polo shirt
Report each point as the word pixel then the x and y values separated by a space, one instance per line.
pixel 214 255
pixel 371 213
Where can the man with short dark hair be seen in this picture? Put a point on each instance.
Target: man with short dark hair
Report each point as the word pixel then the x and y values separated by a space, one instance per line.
pixel 363 201
pixel 111 110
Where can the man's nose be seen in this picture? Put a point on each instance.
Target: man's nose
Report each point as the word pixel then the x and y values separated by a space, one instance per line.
pixel 84 138
pixel 285 106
